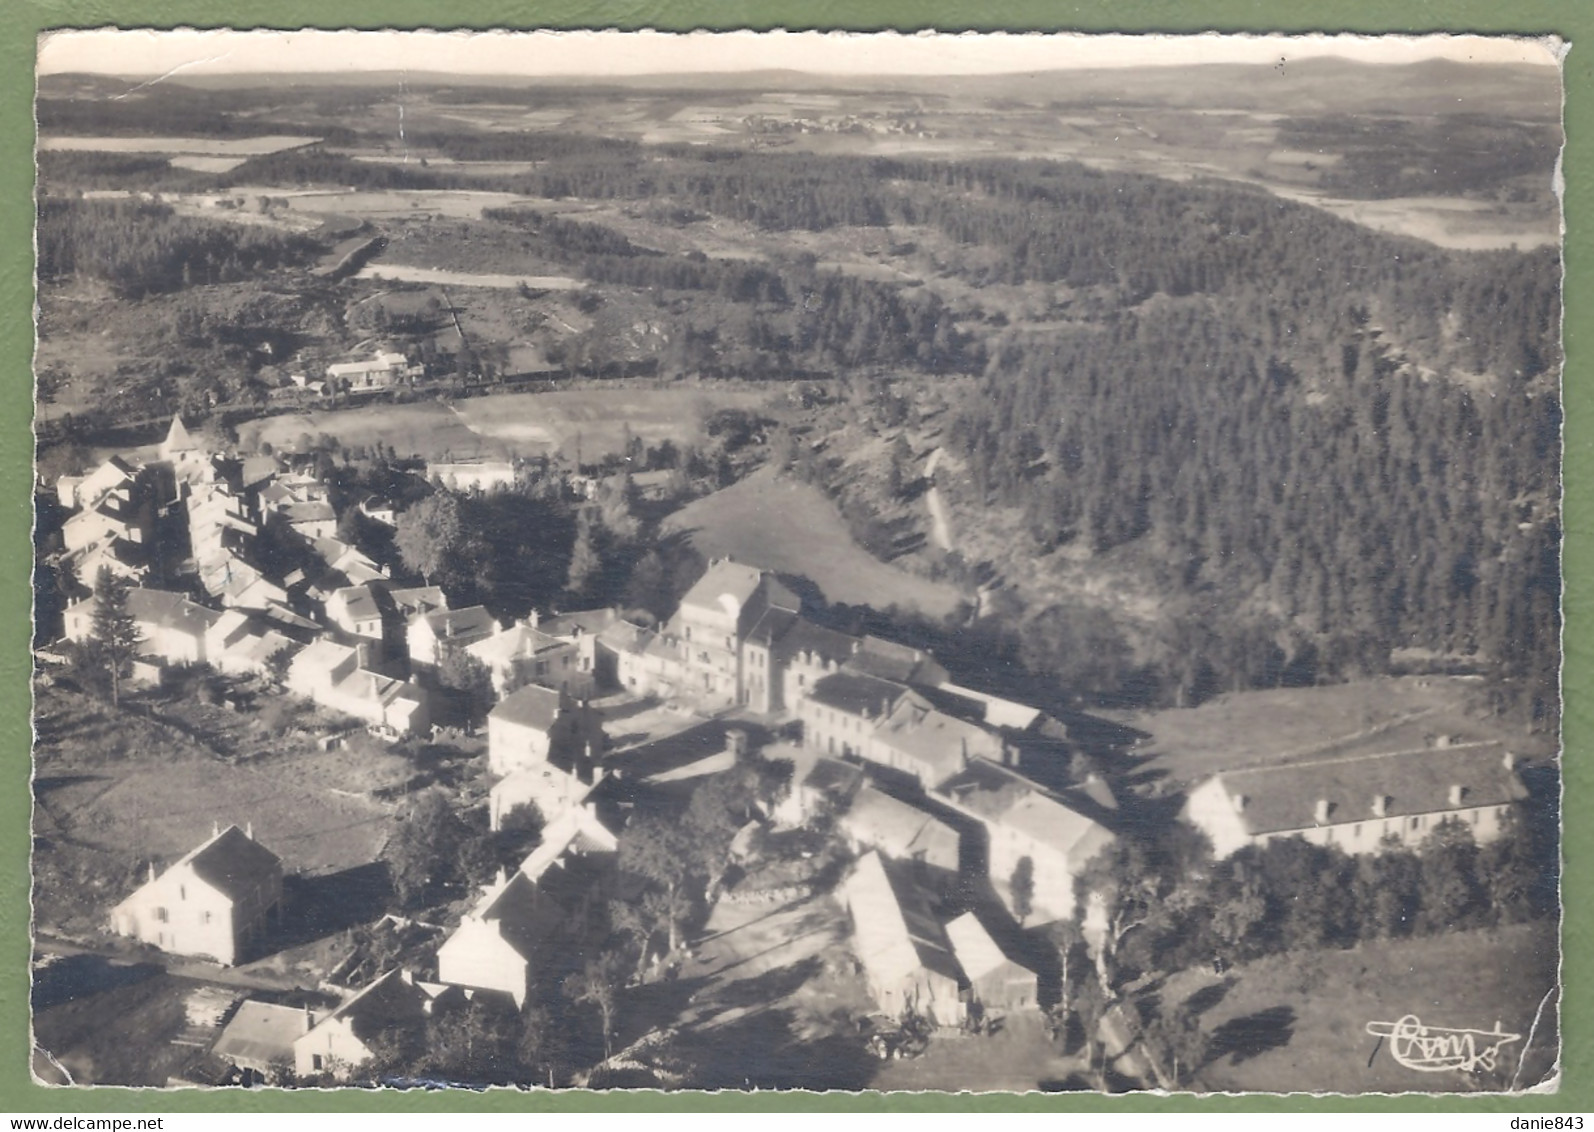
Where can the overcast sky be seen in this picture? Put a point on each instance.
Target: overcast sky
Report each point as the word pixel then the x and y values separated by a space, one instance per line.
pixel 149 53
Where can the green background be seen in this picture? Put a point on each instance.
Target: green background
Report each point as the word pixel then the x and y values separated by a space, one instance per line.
pixel 22 20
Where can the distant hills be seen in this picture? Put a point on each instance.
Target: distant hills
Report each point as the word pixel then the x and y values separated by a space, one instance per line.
pixel 1325 84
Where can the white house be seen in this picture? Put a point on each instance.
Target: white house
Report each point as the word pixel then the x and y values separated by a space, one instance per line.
pixel 212 903
pixel 336 1043
pixel 534 725
pixel 1057 834
pixel 523 653
pixel 431 635
pixel 382 371
pixel 495 945
pixel 1358 802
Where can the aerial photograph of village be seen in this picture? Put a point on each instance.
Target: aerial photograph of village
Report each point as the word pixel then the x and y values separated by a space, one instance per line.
pixel 797 562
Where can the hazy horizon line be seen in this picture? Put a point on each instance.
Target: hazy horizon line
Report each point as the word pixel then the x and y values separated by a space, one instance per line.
pixel 598 54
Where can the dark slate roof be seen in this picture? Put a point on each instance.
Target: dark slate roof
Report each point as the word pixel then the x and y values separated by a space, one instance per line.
pixel 360 602
pixel 1285 797
pixel 453 623
pixel 232 862
pixel 857 694
pixel 806 637
pixel 891 661
pixel 531 706
pixel 170 611
pixel 580 620
pixel 771 627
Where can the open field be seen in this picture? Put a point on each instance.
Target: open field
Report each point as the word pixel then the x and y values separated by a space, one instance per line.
pixel 791 528
pixel 1245 729
pixel 213 147
pixel 424 428
pixel 1297 1022
pixel 407 273
pixel 1017 1058
pixel 772 1001
pixel 599 420
pixel 114 790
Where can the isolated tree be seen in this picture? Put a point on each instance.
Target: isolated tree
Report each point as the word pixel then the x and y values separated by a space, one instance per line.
pixel 472 683
pixel 114 633
pixel 598 984
pixel 1022 886
pixel 664 852
pixel 424 852
pixel 586 564
pixel 428 534
pixel 641 920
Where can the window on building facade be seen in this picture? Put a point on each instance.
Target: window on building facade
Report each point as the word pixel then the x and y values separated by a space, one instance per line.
pixel 160 915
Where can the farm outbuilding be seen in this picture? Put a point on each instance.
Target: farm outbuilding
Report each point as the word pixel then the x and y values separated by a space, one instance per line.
pixel 994 981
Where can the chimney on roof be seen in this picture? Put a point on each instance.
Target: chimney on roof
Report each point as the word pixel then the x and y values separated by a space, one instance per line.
pixel 1380 805
pixel 215 828
pixel 534 619
pixel 1509 761
pixel 1238 801
pixel 1320 813
pixel 1442 742
pixel 501 876
pixel 249 830
pixel 1457 792
pixel 152 871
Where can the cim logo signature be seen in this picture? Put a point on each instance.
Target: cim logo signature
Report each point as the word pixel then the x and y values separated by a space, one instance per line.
pixel 1438 1049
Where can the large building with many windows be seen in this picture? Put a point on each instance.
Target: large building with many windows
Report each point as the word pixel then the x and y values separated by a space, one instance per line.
pixel 1362 803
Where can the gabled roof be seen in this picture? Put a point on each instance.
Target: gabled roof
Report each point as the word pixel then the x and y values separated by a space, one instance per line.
pixel 889 660
pixel 937 741
pixel 624 636
pixel 771 627
pixel 576 831
pixel 360 602
pixel 170 611
pixel 1006 798
pixel 893 928
pixel 806 637
pixel 510 908
pixel 324 653
pixel 530 706
pixel 900 830
pixel 579 621
pixel 518 643
pixel 316 511
pixel 1047 821
pixel 451 624
pixel 262 1032
pixel 1285 797
pixel 857 694
pixel 977 953
pixel 419 599
pixel 723 578
pixel 232 862
pixel 177 438
pixel 389 999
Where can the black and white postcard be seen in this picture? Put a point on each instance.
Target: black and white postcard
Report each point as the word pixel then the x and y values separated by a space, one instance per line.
pixel 797 561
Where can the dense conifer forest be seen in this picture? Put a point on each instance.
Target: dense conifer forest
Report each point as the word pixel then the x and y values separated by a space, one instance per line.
pixel 1333 443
